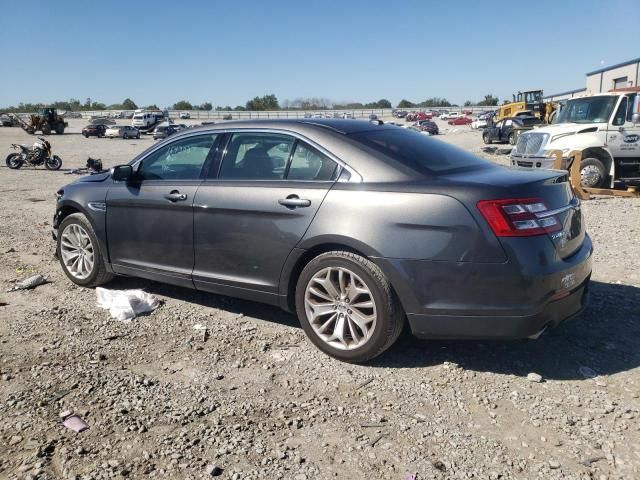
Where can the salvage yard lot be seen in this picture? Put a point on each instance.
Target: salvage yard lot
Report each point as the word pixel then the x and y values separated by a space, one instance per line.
pixel 257 400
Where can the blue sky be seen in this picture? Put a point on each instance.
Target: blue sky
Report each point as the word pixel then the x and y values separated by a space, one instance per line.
pixel 226 52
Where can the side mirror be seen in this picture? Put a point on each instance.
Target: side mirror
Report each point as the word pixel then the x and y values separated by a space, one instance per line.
pixel 635 118
pixel 122 173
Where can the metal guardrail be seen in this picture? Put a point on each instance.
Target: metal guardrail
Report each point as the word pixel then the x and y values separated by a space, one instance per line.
pixel 279 114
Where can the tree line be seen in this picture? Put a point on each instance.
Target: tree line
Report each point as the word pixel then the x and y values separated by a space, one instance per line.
pixel 263 103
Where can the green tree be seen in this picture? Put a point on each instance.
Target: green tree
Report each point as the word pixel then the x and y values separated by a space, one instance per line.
pixel 239 108
pixel 129 104
pixel 206 106
pixel 489 100
pixel 468 103
pixel 182 105
pixel 406 104
pixel 266 102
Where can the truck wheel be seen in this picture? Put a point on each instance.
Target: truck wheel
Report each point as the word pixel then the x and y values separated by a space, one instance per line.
pixel 46 129
pixel 60 129
pixel 592 173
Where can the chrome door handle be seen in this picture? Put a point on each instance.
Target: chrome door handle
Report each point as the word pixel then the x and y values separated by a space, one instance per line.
pixel 175 196
pixel 293 201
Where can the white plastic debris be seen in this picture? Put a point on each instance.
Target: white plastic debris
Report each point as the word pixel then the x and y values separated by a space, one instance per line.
pixel 125 305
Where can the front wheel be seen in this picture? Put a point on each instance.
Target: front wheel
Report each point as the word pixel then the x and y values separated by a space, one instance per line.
pixel 79 252
pixel 14 161
pixel 592 173
pixel 53 163
pixel 346 306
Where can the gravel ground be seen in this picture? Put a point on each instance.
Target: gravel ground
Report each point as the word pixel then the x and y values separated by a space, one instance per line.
pixel 257 400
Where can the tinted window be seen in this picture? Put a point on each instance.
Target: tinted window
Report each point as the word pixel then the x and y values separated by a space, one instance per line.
pixel 417 151
pixel 308 163
pixel 256 156
pixel 179 160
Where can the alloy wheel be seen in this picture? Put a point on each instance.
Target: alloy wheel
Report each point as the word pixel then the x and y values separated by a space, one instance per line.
pixel 76 250
pixel 340 308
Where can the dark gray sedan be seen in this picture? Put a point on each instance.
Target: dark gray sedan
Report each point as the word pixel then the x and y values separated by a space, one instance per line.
pixel 356 226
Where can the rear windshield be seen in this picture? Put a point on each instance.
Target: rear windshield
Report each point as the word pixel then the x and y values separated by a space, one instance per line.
pixel 418 151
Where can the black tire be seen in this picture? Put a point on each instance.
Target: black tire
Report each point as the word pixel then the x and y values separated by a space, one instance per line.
pixel 485 138
pixel 46 129
pixel 85 136
pixel 597 173
pixel 12 162
pixel 390 316
pixel 138 136
pixel 54 164
pixel 99 275
pixel 512 138
pixel 60 129
pixel 125 136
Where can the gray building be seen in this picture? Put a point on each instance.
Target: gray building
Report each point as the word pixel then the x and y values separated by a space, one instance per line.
pixel 620 75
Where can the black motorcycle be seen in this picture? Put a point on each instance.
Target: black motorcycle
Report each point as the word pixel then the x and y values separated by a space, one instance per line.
pixel 36 155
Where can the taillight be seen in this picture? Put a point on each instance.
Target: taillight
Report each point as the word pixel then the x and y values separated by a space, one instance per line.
pixel 518 217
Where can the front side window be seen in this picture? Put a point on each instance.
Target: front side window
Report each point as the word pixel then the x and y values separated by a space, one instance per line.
pixel 179 160
pixel 621 114
pixel 256 156
pixel 308 163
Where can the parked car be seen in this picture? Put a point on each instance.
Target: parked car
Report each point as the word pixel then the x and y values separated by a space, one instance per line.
pixel 373 117
pixel 122 131
pixel 428 126
pixel 506 129
pixel 7 121
pixel 355 227
pixel 400 113
pixel 94 130
pixel 347 115
pixel 164 131
pixel 479 122
pixel 185 115
pixel 460 120
pixel 449 115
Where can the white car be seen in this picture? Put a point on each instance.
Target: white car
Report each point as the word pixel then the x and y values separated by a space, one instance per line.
pixel 479 122
pixel 449 116
pixel 121 131
pixel 347 115
pixel 185 115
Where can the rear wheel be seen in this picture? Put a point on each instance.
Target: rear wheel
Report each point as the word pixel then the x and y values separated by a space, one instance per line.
pixel 592 173
pixel 46 129
pixel 346 306
pixel 512 138
pixel 485 138
pixel 13 161
pixel 79 252
pixel 60 129
pixel 125 136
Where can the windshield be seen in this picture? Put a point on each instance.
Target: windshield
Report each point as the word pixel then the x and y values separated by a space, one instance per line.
pixel 587 110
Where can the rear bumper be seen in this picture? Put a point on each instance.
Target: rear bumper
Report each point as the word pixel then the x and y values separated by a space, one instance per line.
pixel 498 327
pixel 492 300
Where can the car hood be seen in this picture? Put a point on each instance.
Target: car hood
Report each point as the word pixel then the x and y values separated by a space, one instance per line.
pixel 96 177
pixel 567 128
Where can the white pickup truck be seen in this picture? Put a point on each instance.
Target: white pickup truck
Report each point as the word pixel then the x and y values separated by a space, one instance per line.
pixel 605 126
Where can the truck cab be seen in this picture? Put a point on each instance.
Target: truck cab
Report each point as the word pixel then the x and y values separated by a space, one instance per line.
pixel 605 127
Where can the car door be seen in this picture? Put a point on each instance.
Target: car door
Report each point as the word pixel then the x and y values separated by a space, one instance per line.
pixel 505 129
pixel 249 217
pixel 150 218
pixel 624 135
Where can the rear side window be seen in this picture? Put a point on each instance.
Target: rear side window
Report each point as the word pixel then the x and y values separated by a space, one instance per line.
pixel 308 163
pixel 256 156
pixel 417 151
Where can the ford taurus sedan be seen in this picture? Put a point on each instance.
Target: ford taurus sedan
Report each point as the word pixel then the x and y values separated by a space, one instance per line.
pixel 357 227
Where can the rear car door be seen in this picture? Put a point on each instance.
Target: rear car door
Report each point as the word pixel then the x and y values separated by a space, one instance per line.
pixel 249 217
pixel 150 218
